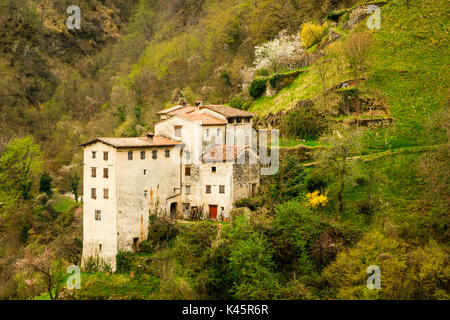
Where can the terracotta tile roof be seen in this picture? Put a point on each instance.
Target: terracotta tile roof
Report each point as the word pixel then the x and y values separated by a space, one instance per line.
pixel 135 142
pixel 220 153
pixel 177 110
pixel 165 111
pixel 228 111
pixel 204 118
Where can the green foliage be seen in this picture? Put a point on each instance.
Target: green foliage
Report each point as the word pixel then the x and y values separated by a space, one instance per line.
pixel 257 88
pixel 161 231
pixel 303 122
pixel 123 262
pixel 311 34
pixel 288 183
pixel 240 266
pixel 45 184
pixel 20 165
pixel 316 183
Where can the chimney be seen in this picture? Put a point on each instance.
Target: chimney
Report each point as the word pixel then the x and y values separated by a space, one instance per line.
pixel 150 136
pixel 199 104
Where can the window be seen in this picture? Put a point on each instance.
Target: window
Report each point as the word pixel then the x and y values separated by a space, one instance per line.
pixel 177 130
pixel 100 247
pixel 238 120
pixel 130 155
pixel 213 169
pixel 105 193
pixel 167 152
pixel 105 155
pixel 93 172
pixel 145 172
pixel 98 215
pixel 145 193
pixel 207 132
pixel 218 132
pixel 94 154
pixel 187 171
pixel 221 189
pixel 142 155
pixel 208 189
pixel 155 154
pixel 93 193
pixel 105 173
pixel 188 189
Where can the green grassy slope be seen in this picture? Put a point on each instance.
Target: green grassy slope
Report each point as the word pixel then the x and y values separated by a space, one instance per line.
pixel 408 69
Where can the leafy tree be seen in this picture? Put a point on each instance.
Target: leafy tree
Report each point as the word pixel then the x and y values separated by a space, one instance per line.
pixel 257 88
pixel 311 34
pixel 45 184
pixel 289 181
pixel 344 143
pixel 278 53
pixel 75 185
pixel 20 165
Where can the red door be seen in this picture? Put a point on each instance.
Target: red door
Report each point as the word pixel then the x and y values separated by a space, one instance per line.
pixel 213 212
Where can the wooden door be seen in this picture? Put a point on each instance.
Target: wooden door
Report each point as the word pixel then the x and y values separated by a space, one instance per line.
pixel 213 212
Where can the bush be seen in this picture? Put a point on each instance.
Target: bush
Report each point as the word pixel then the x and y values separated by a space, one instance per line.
pixel 123 262
pixel 305 123
pixel 316 183
pixel 161 231
pixel 263 72
pixel 311 34
pixel 257 88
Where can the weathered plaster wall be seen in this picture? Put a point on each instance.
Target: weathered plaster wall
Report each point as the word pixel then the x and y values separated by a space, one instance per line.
pixel 104 232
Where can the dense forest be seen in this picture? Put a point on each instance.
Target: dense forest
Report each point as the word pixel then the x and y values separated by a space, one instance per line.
pixel 364 120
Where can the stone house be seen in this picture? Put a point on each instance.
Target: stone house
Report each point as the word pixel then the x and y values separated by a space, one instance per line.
pixel 194 166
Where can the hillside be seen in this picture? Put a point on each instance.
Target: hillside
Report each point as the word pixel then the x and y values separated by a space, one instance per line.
pixel 364 122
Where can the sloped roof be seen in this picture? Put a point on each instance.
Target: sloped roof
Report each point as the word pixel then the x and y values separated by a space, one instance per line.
pixel 204 118
pixel 165 111
pixel 220 153
pixel 184 110
pixel 135 142
pixel 228 111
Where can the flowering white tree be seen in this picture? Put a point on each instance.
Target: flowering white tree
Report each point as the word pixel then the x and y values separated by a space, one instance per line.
pixel 278 53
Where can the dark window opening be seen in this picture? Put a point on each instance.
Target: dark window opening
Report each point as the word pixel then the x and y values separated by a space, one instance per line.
pixel 94 154
pixel 98 215
pixel 105 193
pixel 105 155
pixel 93 193
pixel 130 155
pixel 208 189
pixel 221 189
pixel 167 152
pixel 187 171
pixel 155 154
pixel 105 173
pixel 213 169
pixel 93 172
pixel 142 155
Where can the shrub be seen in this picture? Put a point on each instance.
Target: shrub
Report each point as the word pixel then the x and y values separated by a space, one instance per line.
pixel 263 72
pixel 316 183
pixel 305 123
pixel 257 88
pixel 161 231
pixel 123 262
pixel 311 34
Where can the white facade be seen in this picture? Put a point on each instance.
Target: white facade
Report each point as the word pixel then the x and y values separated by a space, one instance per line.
pixel 164 174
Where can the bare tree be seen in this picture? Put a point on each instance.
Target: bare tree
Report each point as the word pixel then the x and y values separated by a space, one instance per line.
pixel 323 69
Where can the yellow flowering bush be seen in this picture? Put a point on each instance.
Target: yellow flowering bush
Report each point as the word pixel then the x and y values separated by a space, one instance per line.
pixel 317 199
